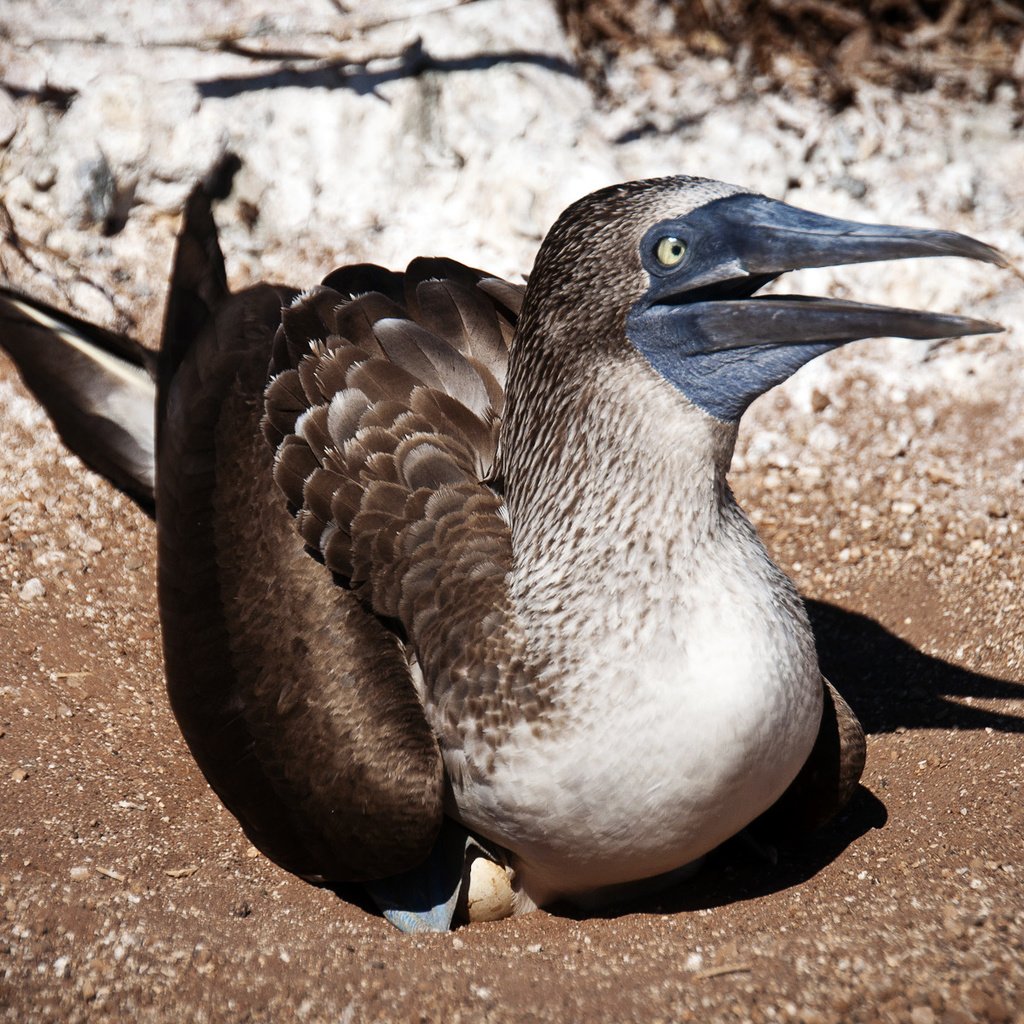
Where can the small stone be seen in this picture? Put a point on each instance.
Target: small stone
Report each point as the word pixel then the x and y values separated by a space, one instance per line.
pixel 976 527
pixel 44 176
pixel 19 775
pixel 957 1016
pixel 88 989
pixel 810 1016
pixel 855 187
pixel 997 1009
pixel 922 1015
pixel 93 191
pixel 32 589
pixel 92 545
pixel 819 401
pixel 191 869
pixel 79 873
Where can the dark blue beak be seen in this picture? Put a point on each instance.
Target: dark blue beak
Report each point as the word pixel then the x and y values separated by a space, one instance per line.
pixel 700 326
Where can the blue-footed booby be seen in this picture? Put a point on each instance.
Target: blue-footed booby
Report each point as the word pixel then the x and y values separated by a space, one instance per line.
pixel 449 569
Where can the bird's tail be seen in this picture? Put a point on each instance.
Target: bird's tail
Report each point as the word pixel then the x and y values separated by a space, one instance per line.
pixel 98 387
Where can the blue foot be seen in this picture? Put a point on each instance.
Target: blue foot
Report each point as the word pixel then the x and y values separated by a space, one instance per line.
pixel 424 898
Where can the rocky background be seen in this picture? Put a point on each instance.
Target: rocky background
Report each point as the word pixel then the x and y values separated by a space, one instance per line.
pixel 886 479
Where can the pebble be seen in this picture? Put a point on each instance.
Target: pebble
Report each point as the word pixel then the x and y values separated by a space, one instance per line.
pixel 43 176
pixel 79 873
pixel 976 527
pixel 922 1015
pixel 19 775
pixel 810 1016
pixel 819 401
pixel 91 545
pixel 91 193
pixel 32 589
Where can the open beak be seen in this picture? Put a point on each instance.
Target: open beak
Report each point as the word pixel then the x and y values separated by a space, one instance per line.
pixel 702 327
pixel 756 239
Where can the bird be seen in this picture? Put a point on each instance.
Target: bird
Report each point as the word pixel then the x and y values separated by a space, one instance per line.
pixel 455 598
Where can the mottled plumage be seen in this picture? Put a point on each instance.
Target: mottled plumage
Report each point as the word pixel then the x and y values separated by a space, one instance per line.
pixel 433 544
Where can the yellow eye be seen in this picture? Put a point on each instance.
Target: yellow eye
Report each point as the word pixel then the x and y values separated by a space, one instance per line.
pixel 670 251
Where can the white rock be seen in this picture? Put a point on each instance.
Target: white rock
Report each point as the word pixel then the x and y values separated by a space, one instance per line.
pixel 86 190
pixel 32 589
pixel 125 138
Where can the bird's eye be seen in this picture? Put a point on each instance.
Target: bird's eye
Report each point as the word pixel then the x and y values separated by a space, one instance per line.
pixel 670 251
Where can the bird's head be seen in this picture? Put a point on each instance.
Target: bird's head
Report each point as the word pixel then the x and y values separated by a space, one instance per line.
pixel 670 267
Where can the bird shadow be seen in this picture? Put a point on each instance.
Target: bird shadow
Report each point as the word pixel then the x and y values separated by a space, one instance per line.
pixel 742 868
pixel 891 686
pixel 412 62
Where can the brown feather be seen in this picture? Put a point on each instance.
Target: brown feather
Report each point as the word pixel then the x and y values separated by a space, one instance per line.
pixel 310 317
pixel 382 380
pixel 467 319
pixel 364 278
pixel 413 433
pixel 355 320
pixel 297 702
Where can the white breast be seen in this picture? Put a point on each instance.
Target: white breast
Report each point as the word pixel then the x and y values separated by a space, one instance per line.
pixel 686 688
pixel 685 712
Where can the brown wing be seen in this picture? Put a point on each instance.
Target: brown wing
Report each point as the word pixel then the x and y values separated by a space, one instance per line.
pixel 296 702
pixel 828 779
pixel 383 412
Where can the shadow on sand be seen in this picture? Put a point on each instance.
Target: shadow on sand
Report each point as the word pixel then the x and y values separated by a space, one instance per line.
pixel 890 684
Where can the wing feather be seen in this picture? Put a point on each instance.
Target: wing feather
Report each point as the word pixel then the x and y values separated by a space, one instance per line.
pixel 402 377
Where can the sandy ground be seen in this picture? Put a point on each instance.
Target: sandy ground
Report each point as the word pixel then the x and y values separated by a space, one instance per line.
pixel 886 480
